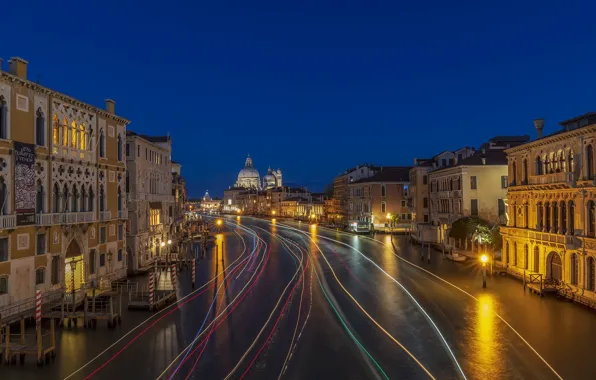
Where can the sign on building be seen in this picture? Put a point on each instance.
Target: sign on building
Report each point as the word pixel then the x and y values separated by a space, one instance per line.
pixel 24 184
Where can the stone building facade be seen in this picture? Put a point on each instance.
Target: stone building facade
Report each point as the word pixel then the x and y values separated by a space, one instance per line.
pixel 62 179
pixel 551 227
pixel 150 199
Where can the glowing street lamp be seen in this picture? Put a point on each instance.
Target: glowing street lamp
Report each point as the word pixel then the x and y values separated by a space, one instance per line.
pixel 219 222
pixel 273 212
pixel 484 260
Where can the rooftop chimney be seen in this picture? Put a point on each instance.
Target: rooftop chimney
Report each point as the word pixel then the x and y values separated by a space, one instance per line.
pixel 110 105
pixel 1 61
pixel 18 66
pixel 539 124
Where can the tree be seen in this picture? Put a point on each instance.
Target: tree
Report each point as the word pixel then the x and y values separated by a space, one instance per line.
pixel 394 218
pixel 476 229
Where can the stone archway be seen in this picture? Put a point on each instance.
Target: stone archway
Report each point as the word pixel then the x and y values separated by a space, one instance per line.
pixel 554 267
pixel 74 267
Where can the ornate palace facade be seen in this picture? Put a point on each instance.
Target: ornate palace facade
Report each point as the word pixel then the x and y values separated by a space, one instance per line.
pixel 551 207
pixel 62 178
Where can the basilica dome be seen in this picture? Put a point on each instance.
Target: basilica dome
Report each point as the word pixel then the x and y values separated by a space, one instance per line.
pixel 248 176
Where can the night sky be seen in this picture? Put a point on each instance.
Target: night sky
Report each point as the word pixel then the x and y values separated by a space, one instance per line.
pixel 312 87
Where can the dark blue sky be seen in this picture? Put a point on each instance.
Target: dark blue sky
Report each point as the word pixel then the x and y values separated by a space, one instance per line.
pixel 312 87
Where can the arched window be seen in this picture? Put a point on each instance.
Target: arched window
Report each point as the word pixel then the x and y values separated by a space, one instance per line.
pixel 546 164
pixel 526 256
pixel 525 172
pixel 591 273
pixel 119 148
pixel 513 174
pixel 119 199
pixel 526 216
pixel 39 198
pixel 91 199
pixel 507 252
pixel 73 134
pixel 538 166
pixel 3 118
pixel 56 199
pixel 65 199
pixel 101 199
pixel 571 207
pixel 82 137
pixel 383 207
pixel 84 200
pixel 546 217
pixel 562 163
pixel 3 197
pixel 40 122
pixel 574 269
pixel 55 132
pixel 127 182
pixel 74 207
pixel 554 228
pixel 536 259
pixel 591 215
pixel 514 254
pixel 539 216
pixel 64 132
pixel 383 190
pixel 590 161
pixel 570 161
pixel 102 144
pixel 563 217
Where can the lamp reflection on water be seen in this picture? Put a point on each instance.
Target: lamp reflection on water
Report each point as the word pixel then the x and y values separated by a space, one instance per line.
pixel 487 351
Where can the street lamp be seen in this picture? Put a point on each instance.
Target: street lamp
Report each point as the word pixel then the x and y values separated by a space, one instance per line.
pixel 484 260
pixel 273 212
pixel 390 226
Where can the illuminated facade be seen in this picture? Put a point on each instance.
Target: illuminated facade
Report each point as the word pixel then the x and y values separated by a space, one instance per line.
pixel 62 178
pixel 209 204
pixel 150 197
pixel 371 200
pixel 551 227
pixel 341 191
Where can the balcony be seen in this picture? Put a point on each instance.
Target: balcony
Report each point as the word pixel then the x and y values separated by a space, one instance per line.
pixel 64 218
pixel 552 178
pixel 8 221
pixel 75 154
pixel 105 215
pixel 567 241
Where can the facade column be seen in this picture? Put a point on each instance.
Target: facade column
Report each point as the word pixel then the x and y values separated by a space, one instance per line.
pixel 544 218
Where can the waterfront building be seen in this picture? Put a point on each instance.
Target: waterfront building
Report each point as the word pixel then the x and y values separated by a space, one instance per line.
pixel 178 213
pixel 150 198
pixel 341 192
pixel 469 183
pixel 551 227
pixel 372 200
pixel 208 204
pixel 62 183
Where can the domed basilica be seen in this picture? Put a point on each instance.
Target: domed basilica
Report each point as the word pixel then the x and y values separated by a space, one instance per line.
pixel 249 177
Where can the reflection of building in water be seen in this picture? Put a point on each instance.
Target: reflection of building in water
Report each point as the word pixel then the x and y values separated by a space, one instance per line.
pixel 62 218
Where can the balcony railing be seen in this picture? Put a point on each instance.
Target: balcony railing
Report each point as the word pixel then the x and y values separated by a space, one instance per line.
pixel 105 215
pixel 8 221
pixel 545 179
pixel 75 154
pixel 65 218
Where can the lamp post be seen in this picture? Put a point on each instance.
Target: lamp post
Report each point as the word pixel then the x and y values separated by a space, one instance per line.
pixel 163 244
pixel 484 260
pixel 390 226
pixel 169 247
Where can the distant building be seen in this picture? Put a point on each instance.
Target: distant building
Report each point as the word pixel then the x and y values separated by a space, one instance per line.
pixel 340 190
pixel 209 205
pixel 372 200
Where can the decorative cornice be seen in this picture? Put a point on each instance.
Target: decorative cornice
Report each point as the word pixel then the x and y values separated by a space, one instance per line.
pixel 62 97
pixel 552 139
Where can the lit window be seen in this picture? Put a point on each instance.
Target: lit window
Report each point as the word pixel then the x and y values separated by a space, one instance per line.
pixel 73 135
